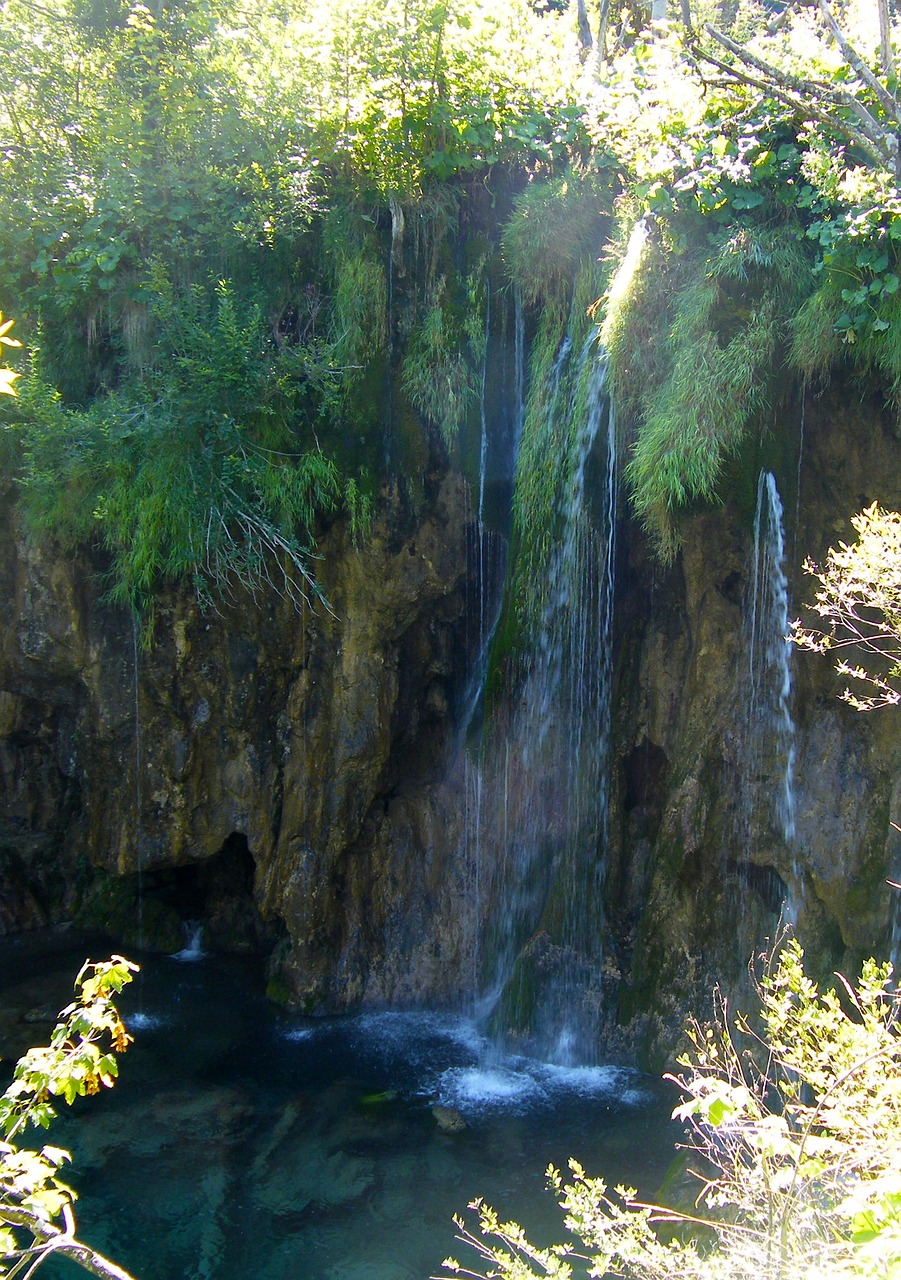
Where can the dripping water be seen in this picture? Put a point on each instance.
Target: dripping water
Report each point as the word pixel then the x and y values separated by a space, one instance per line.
pixel 798 476
pixel 389 359
pixel 519 369
pixel 483 414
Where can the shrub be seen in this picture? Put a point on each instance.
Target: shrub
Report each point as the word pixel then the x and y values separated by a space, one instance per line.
pixel 795 1138
pixel 36 1218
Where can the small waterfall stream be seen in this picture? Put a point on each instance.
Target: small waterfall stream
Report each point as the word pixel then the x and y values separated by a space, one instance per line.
pixel 488 551
pixel 135 651
pixel 771 729
pixel 519 369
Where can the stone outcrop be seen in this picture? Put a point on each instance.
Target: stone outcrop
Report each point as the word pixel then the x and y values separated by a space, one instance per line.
pixel 272 774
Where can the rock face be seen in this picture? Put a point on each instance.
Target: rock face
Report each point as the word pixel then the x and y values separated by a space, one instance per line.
pixel 274 775
pixel 697 877
pixel 293 782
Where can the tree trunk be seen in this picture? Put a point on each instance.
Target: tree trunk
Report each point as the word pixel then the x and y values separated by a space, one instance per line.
pixel 886 56
pixel 603 23
pixel 584 28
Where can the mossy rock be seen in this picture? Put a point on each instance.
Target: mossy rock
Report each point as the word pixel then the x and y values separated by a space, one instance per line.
pixel 113 905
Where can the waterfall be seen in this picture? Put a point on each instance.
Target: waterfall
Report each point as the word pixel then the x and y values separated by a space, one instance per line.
pixel 771 737
pixel 519 369
pixel 135 650
pixel 552 769
pixel 483 412
pixel 489 554
pixel 193 936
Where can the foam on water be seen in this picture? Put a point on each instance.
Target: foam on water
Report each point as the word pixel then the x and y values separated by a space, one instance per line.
pixel 301 1033
pixel 445 1058
pixel 588 1080
pixel 193 949
pixel 488 1088
pixel 522 1084
pixel 405 1030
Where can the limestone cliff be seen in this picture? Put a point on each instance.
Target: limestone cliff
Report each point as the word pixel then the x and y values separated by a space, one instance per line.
pixel 269 773
pixel 299 782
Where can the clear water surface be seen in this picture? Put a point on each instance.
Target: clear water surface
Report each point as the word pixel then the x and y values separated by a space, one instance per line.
pixel 241 1142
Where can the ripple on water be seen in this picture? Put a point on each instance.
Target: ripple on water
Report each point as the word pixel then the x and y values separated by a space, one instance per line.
pixel 140 1021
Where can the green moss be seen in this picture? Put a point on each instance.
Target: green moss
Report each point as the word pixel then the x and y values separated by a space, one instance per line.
pixel 696 348
pixel 442 363
pixel 561 367
pixel 825 331
pixel 358 295
pixel 113 905
pixel 554 225
pixel 278 990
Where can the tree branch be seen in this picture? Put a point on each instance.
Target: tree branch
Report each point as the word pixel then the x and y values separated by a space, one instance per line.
pixel 886 53
pixel 51 1239
pixel 804 105
pixel 874 138
pixel 857 64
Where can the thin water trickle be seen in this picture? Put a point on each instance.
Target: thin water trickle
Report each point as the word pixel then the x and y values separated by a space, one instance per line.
pixel 519 369
pixel 483 442
pixel 389 384
pixel 135 649
pixel 490 553
pixel 801 430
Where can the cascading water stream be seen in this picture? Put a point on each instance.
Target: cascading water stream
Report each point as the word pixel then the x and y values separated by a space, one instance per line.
pixel 489 555
pixel 771 736
pixel 519 369
pixel 135 650
pixel 553 770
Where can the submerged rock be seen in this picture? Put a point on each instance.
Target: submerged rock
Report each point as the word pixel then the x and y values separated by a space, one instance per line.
pixel 449 1119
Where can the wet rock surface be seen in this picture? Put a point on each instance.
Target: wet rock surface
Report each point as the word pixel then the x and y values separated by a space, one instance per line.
pixel 697 878
pixel 271 775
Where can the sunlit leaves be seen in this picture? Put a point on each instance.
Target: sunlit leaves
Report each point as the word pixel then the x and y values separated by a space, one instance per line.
pixel 858 599
pixel 79 1060
pixel 7 376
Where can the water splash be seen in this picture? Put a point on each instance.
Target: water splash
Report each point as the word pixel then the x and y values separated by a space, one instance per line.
pixel 193 948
